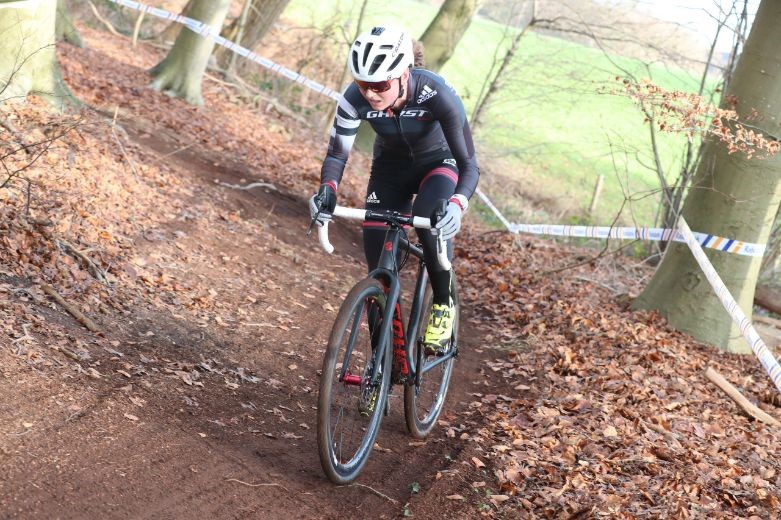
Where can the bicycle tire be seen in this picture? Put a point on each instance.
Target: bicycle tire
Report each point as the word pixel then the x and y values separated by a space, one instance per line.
pixel 430 395
pixel 340 466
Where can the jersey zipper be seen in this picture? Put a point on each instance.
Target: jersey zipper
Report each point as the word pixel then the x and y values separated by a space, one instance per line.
pixel 401 134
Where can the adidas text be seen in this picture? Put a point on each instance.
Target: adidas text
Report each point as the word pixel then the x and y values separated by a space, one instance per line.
pixel 426 93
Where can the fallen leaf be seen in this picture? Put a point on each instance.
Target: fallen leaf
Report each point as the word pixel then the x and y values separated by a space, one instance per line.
pixel 131 417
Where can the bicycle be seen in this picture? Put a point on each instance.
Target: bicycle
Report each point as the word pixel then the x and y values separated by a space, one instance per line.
pixel 368 349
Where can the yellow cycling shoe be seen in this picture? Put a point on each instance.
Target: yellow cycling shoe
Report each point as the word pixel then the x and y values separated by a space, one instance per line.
pixel 439 329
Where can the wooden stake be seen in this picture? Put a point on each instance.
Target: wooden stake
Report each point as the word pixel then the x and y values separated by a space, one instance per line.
pixel 736 396
pixel 595 196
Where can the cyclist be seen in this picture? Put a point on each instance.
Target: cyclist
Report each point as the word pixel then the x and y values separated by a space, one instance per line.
pixel 423 146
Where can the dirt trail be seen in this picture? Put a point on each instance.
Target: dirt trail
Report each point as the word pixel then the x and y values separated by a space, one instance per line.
pixel 183 419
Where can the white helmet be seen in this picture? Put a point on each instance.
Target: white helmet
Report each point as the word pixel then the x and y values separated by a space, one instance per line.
pixel 380 54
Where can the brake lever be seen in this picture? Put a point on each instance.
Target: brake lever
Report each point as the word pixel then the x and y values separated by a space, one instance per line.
pixel 312 224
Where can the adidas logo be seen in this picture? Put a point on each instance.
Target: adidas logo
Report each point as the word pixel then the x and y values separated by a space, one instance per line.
pixel 451 162
pixel 372 198
pixel 426 93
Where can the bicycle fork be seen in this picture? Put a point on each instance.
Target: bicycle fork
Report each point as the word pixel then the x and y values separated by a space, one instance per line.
pixel 387 327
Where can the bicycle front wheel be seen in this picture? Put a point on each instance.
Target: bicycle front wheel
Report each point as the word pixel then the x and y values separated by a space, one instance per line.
pixel 350 407
pixel 423 403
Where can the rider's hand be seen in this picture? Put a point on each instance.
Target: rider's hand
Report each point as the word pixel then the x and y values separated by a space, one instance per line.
pixel 449 224
pixel 322 205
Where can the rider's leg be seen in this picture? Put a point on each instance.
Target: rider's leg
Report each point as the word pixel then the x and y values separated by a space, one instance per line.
pixel 381 193
pixel 439 183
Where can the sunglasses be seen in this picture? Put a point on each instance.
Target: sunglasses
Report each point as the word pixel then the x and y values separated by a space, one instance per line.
pixel 374 86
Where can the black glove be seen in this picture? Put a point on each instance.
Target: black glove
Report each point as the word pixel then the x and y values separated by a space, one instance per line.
pixel 322 205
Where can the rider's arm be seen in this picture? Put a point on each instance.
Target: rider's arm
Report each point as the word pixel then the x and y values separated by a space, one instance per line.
pixel 341 140
pixel 449 111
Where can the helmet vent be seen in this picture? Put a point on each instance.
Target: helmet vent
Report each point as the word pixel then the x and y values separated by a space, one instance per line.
pixel 376 63
pixel 396 61
pixel 355 60
pixel 366 51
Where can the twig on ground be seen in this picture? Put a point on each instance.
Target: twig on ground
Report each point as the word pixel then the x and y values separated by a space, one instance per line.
pixel 121 146
pixel 69 353
pixel 741 401
pixel 183 148
pixel 249 186
pixel 26 336
pixel 76 313
pixel 245 88
pixel 28 430
pixel 381 495
pixel 256 485
pixel 91 267
pixel 597 282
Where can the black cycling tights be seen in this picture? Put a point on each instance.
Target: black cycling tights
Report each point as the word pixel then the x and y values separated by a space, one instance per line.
pixel 439 183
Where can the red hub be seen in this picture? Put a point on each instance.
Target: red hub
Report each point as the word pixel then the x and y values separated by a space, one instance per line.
pixel 351 379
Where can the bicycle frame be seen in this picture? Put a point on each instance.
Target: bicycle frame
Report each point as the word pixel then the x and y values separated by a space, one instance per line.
pixel 387 272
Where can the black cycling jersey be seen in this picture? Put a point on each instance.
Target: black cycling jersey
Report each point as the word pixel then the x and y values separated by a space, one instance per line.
pixel 431 123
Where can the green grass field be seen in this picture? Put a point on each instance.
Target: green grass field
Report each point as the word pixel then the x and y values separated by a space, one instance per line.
pixel 554 123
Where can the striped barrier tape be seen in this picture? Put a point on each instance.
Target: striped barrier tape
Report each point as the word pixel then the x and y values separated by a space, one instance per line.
pixel 744 324
pixel 727 245
pixel 203 29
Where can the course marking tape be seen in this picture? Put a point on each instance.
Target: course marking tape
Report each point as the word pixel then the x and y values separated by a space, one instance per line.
pixel 727 245
pixel 203 29
pixel 758 346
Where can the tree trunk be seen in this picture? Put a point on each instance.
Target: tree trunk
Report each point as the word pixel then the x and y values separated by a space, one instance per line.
pixel 262 15
pixel 446 29
pixel 731 196
pixel 64 28
pixel 172 30
pixel 181 71
pixel 28 57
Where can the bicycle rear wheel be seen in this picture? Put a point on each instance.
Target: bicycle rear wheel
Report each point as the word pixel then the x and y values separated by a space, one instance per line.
pixel 350 408
pixel 423 403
